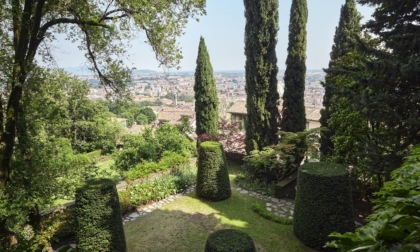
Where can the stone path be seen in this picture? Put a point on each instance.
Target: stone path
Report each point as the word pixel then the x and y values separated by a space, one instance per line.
pixel 280 207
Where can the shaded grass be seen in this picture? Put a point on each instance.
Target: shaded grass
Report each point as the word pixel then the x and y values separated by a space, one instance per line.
pixel 185 224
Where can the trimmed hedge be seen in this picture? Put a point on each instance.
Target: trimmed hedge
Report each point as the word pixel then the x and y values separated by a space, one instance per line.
pixel 229 240
pixel 323 203
pixel 212 175
pixel 98 217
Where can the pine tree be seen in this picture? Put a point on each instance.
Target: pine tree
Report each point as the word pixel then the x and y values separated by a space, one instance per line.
pixel 206 101
pixel 344 41
pixel 377 96
pixel 392 94
pixel 261 73
pixel 294 77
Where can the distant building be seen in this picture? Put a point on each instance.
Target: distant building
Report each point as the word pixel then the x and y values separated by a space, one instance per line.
pixel 312 117
pixel 238 112
pixel 175 117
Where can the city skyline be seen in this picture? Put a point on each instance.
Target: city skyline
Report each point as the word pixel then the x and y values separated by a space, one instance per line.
pixel 223 29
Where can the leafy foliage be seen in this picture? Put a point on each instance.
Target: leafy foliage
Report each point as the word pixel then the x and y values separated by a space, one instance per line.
pixel 395 222
pixel 157 189
pixel 326 188
pixel 150 147
pixel 27 29
pixel 275 162
pixel 376 96
pixel 261 73
pixel 205 93
pixel 170 160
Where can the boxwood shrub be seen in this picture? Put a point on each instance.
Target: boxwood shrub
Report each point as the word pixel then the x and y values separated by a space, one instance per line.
pixel 323 203
pixel 98 217
pixel 228 240
pixel 212 175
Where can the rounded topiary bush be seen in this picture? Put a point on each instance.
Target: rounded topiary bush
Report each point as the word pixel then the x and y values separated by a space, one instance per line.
pixel 323 203
pixel 212 175
pixel 98 217
pixel 229 240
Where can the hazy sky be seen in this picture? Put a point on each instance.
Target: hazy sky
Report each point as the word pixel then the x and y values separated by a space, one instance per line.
pixel 223 30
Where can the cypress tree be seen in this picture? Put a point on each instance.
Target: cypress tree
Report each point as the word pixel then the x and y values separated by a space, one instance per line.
pixel 344 41
pixel 206 101
pixel 294 78
pixel 261 73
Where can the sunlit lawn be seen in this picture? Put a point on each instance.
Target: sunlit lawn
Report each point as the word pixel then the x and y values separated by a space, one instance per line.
pixel 185 224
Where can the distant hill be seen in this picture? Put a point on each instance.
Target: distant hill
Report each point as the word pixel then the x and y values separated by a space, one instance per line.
pixel 143 71
pixel 83 70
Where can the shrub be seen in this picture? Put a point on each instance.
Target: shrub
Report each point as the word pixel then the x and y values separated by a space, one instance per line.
pixel 170 160
pixel 150 191
pixel 172 139
pixel 98 216
pixel 323 203
pixel 395 223
pixel 275 162
pixel 125 201
pixel 212 176
pixel 229 240
pixel 126 159
pixel 142 170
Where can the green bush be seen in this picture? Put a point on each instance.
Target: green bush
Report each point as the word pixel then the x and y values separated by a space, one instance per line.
pixel 169 160
pixel 172 160
pixel 162 187
pixel 395 223
pixel 98 216
pixel 126 159
pixel 323 203
pixel 172 139
pixel 212 176
pixel 142 170
pixel 150 191
pixel 229 240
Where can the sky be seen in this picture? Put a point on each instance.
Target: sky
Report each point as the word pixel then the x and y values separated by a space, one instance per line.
pixel 223 30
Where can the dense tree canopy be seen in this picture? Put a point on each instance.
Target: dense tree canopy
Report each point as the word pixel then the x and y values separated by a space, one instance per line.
pixel 261 73
pixel 27 27
pixel 377 96
pixel 205 93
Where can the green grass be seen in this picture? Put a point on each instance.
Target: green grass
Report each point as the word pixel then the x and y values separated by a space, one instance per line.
pixel 185 224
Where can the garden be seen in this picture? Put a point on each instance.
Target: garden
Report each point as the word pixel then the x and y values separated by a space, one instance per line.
pixel 65 185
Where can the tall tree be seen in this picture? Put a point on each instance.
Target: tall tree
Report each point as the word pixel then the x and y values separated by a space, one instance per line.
pixel 28 26
pixel 206 101
pixel 380 93
pixel 293 112
pixel 392 97
pixel 345 37
pixel 261 73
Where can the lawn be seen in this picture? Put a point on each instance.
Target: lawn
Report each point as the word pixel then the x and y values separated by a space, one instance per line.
pixel 185 224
